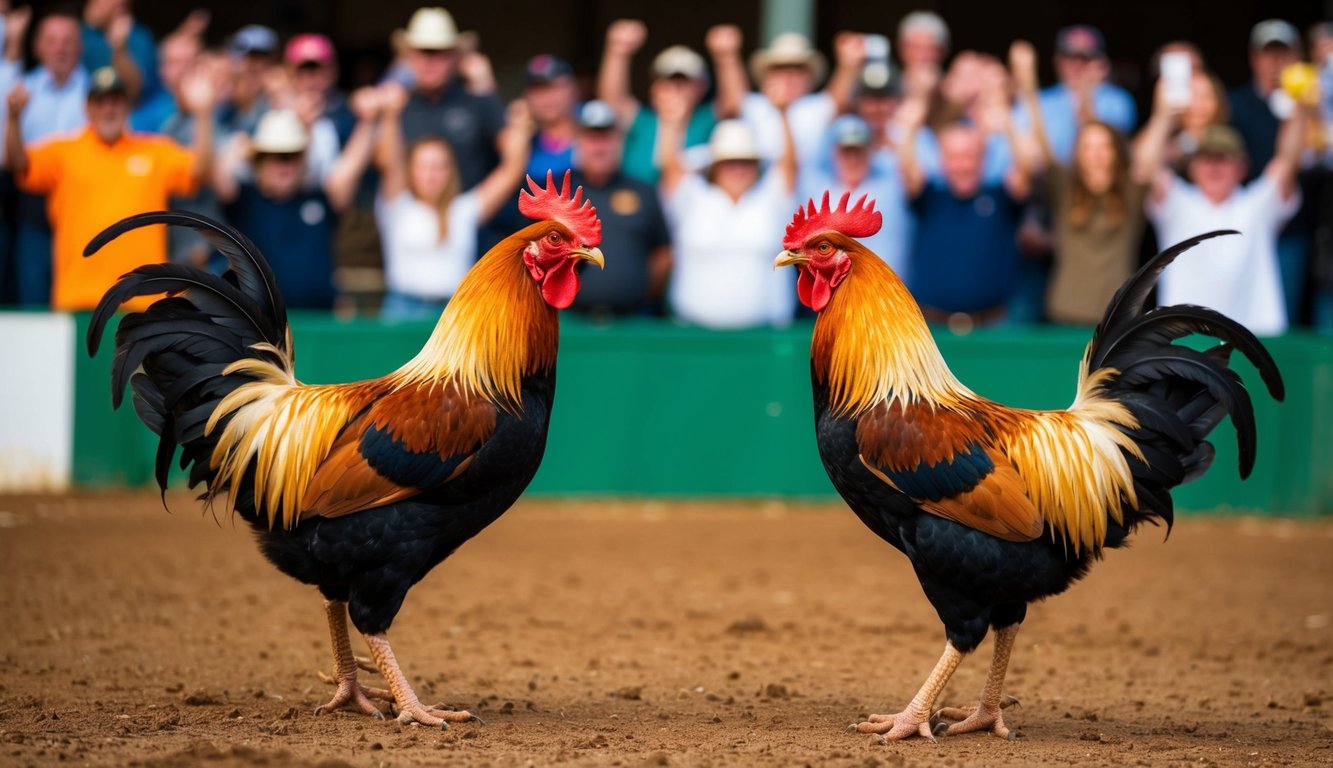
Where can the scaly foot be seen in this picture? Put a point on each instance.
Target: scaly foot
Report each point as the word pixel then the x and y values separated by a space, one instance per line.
pixel 416 712
pixel 972 719
pixel 353 695
pixel 896 727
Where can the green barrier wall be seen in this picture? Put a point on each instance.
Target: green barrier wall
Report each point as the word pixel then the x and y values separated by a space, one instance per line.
pixel 648 408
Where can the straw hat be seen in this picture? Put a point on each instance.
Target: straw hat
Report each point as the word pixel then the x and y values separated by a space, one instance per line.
pixel 679 60
pixel 431 29
pixel 789 49
pixel 733 140
pixel 280 132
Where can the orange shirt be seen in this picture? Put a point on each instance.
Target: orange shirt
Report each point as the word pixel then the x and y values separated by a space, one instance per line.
pixel 91 185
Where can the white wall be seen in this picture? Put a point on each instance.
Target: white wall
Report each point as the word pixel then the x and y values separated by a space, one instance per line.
pixel 36 401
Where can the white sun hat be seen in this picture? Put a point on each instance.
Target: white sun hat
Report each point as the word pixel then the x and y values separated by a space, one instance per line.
pixel 431 29
pixel 789 49
pixel 280 132
pixel 733 140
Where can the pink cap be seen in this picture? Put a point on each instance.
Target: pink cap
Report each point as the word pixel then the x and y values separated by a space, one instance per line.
pixel 309 47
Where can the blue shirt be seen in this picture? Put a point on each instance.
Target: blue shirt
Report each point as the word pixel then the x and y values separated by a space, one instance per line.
pixel 964 256
pixel 995 162
pixel 547 155
pixel 52 109
pixel 153 112
pixel 296 236
pixel 1059 114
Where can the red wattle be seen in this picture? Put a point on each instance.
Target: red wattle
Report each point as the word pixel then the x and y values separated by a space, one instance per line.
pixel 813 289
pixel 561 284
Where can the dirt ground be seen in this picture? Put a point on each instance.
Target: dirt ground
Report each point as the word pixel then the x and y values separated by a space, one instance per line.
pixel 649 633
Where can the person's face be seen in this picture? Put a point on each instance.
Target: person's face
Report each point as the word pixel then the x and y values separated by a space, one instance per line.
pixel 433 69
pixel 1095 158
pixel 552 101
pixel 785 84
pixel 59 45
pixel 1202 109
pixel 852 163
pixel 1216 176
pixel 1267 64
pixel 107 114
pixel 175 57
pixel 663 87
pixel 920 48
pixel 314 77
pixel 279 175
pixel 961 152
pixel 735 177
pixel 598 151
pixel 428 170
pixel 1075 70
pixel 877 111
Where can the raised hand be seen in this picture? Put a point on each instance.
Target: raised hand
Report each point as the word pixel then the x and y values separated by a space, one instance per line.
pixel 626 36
pixel 1023 66
pixel 16 99
pixel 16 24
pixel 518 130
pixel 393 98
pixel 366 103
pixel 194 24
pixel 198 91
pixel 723 40
pixel 118 31
pixel 849 49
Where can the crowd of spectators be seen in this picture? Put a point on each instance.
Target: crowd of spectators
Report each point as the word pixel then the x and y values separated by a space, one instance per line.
pixel 1004 202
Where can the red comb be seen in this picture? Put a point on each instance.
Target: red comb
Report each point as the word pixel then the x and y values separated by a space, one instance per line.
pixel 550 203
pixel 861 221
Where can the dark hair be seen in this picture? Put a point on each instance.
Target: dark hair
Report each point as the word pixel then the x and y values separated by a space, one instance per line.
pixel 1083 199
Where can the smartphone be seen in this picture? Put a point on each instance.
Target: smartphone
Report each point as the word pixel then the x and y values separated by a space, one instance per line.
pixel 1177 71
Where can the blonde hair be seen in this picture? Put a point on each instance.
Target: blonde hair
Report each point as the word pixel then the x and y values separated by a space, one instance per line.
pixel 451 185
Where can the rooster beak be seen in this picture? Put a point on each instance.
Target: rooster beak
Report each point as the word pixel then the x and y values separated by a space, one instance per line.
pixel 593 254
pixel 788 258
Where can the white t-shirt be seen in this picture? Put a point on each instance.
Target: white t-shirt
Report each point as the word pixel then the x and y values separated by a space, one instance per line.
pixel 416 261
pixel 808 116
pixel 1237 275
pixel 723 276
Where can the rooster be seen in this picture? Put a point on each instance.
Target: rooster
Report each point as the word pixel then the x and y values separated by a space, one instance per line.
pixel 358 489
pixel 997 507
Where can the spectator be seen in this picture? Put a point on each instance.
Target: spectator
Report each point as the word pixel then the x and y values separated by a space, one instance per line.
pixel 964 260
pixel 57 89
pixel 1237 276
pixel 923 45
pixel 427 218
pixel 786 73
pixel 291 222
pixel 633 226
pixel 252 52
pixel 314 72
pixel 1321 53
pixel 679 74
pixel 552 97
pixel 1096 204
pixel 185 245
pixel 175 57
pixel 1082 70
pixel 724 224
pixel 440 103
pixel 102 175
pixel 857 166
pixel 112 37
pixel 1208 106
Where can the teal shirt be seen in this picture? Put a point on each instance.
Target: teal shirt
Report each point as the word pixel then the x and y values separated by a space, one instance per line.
pixel 641 141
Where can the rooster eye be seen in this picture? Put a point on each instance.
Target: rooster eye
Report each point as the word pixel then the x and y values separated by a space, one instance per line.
pixel 824 248
pixel 553 237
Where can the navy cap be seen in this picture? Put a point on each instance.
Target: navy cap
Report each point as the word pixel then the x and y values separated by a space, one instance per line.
pixel 1080 40
pixel 597 115
pixel 104 81
pixel 851 131
pixel 546 68
pixel 253 38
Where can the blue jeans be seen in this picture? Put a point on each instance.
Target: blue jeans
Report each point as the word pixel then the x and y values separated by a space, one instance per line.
pixel 402 307
pixel 32 265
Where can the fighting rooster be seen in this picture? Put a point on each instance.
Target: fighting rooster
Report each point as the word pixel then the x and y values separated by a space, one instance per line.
pixel 359 489
pixel 997 507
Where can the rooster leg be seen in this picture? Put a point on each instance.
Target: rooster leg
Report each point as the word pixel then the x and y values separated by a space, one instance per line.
pixel 350 694
pixel 915 719
pixel 410 708
pixel 986 715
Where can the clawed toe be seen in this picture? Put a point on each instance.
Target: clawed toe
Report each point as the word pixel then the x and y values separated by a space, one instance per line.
pixel 895 727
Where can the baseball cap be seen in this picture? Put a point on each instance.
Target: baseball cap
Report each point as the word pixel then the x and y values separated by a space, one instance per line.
pixel 879 80
pixel 1274 32
pixel 280 132
pixel 1221 140
pixel 431 29
pixel 851 131
pixel 546 68
pixel 1080 40
pixel 679 60
pixel 253 38
pixel 733 140
pixel 597 115
pixel 308 48
pixel 105 81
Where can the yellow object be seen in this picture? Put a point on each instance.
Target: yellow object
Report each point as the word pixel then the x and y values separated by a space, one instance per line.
pixel 91 185
pixel 1301 82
